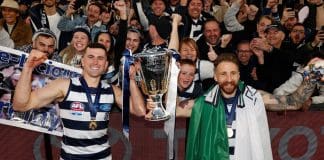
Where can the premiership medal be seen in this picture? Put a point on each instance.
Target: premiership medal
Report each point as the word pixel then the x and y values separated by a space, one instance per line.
pixel 230 110
pixel 230 132
pixel 93 125
pixel 92 107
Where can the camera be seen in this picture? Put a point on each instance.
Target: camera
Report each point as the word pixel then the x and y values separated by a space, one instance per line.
pixel 79 3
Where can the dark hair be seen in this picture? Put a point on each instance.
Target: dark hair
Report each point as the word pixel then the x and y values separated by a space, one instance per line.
pixel 298 24
pixel 98 45
pixel 111 53
pixel 98 4
pixel 189 1
pixel 96 38
pixel 211 20
pixel 226 57
pixel 242 42
pixel 188 62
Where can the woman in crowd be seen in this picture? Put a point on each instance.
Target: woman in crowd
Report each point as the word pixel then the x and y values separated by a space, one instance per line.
pixel 73 53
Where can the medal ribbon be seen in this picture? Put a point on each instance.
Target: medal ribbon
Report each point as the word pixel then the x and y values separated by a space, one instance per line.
pixel 92 106
pixel 127 61
pixel 230 115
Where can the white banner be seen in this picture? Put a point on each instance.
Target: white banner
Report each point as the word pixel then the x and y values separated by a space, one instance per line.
pixel 44 120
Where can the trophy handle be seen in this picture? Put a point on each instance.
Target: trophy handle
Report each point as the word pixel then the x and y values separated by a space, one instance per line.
pixel 158 113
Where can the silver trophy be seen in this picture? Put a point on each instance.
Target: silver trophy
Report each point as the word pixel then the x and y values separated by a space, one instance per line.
pixel 154 74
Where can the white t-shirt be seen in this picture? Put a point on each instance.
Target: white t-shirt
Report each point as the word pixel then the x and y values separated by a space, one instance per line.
pixel 53 21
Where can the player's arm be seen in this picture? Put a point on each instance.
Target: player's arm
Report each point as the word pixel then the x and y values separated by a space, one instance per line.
pixel 25 99
pixel 137 105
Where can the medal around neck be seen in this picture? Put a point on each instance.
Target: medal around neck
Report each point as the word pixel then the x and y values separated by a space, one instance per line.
pixel 93 125
pixel 230 132
pixel 155 67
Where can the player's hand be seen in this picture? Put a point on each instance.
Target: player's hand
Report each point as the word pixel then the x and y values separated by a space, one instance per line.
pixel 35 58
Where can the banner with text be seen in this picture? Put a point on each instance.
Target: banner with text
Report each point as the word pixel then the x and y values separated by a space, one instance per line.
pixel 42 120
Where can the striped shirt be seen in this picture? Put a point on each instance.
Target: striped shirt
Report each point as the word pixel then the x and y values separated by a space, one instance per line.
pixel 79 141
pixel 192 92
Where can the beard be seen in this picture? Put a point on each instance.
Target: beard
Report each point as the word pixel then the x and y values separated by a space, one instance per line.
pixel 228 87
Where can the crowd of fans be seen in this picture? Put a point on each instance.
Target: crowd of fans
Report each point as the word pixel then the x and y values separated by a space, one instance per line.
pixel 273 40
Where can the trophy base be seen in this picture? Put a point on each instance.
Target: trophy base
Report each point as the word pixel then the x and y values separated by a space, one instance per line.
pixel 159 114
pixel 154 119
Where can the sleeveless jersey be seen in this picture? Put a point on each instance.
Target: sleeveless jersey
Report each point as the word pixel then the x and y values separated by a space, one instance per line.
pixel 79 141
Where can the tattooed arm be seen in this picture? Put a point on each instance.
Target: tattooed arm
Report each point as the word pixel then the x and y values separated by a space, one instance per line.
pixel 293 101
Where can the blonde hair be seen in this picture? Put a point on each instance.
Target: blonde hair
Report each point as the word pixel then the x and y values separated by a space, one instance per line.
pixel 67 54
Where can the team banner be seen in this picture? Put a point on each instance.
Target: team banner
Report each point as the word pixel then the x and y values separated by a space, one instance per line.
pixel 44 120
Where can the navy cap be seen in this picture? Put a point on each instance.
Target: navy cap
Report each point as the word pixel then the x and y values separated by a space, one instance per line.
pixel 273 26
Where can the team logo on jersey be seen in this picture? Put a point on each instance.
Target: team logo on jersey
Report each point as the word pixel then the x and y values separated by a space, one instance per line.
pixel 105 107
pixel 77 108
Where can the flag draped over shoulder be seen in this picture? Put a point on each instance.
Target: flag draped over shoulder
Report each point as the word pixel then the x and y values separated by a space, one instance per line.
pixel 207 137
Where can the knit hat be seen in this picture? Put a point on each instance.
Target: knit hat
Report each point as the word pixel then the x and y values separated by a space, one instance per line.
pixel 43 31
pixel 84 30
pixel 10 4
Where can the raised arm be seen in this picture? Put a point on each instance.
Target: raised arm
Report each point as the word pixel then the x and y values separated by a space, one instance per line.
pixel 25 99
pixel 137 106
pixel 174 35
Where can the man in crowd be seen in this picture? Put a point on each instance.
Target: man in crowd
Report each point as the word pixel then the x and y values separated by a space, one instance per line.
pixel 193 18
pixel 91 20
pixel 46 15
pixel 44 40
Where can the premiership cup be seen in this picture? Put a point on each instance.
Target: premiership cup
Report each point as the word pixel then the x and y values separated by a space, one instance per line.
pixel 155 65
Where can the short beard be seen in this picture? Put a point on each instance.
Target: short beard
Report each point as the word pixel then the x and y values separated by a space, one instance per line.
pixel 223 86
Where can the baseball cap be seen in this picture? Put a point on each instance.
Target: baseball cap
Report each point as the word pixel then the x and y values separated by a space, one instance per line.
pixel 10 4
pixel 273 26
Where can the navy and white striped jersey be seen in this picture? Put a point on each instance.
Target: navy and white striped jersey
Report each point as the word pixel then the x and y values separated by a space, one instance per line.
pixel 204 70
pixel 79 141
pixel 192 92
